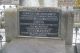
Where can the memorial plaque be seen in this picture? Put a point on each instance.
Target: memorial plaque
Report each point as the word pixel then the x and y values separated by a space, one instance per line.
pixel 39 23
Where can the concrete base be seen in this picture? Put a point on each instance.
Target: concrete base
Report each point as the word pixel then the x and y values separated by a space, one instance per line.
pixel 36 46
pixel 78 47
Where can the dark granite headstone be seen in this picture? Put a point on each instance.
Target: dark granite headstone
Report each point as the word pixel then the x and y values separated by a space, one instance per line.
pixel 39 23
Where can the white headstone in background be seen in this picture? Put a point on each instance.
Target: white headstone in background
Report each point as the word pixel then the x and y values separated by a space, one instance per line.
pixel 29 3
pixel 9 2
pixel 16 2
pixel 50 3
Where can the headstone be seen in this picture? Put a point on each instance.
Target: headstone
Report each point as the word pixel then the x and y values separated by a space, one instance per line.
pixel 40 22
